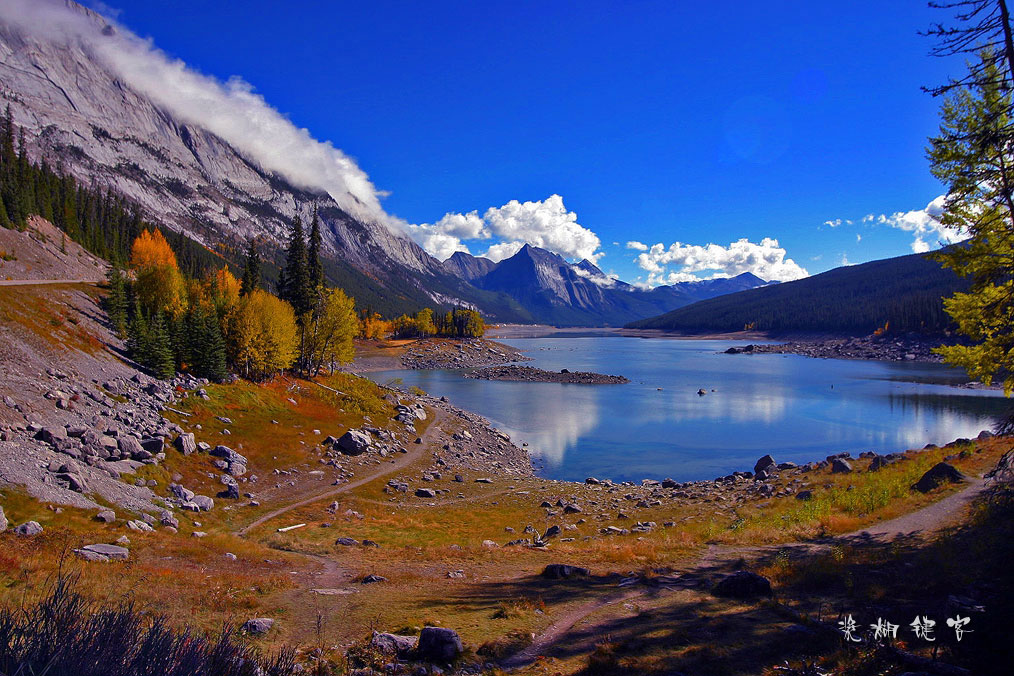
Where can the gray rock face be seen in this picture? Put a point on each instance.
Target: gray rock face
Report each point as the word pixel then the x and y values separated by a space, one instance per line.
pixel 937 475
pixel 354 442
pixel 438 644
pixel 29 528
pixel 185 443
pixel 258 625
pixel 742 584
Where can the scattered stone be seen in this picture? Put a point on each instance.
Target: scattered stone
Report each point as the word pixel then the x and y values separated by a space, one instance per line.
pixel 425 493
pixel 108 551
pixel 939 474
pixel 373 579
pixel 840 466
pixel 29 528
pixel 354 442
pixel 392 644
pixel 346 542
pixel 185 443
pixel 742 584
pixel 562 571
pixel 106 516
pixel 258 625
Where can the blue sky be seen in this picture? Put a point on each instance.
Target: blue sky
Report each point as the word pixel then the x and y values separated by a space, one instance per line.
pixel 655 123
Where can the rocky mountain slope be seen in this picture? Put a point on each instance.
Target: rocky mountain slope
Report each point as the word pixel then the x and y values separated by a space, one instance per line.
pixel 78 112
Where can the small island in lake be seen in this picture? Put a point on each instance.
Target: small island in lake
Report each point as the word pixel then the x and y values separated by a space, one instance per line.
pixel 532 374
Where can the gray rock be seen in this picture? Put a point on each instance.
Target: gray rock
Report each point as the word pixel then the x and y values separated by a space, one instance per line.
pixel 939 474
pixel 3 520
pixel 204 503
pixel 392 644
pixel 438 644
pixel 346 542
pixel 185 444
pixel 373 579
pixel 91 556
pixel 804 495
pixel 110 551
pixel 139 526
pixel 840 466
pixel 258 625
pixel 237 469
pixel 552 531
pixel 742 584
pixel 354 442
pixel 74 481
pixel 766 462
pixel 228 455
pixel 29 528
pixel 153 445
pixel 51 434
pixel 106 516
pixel 562 571
pixel 425 493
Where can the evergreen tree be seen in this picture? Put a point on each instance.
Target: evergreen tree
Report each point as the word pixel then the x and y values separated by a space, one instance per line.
pixel 161 362
pixel 116 301
pixel 251 269
pixel 212 358
pixel 315 268
pixel 297 274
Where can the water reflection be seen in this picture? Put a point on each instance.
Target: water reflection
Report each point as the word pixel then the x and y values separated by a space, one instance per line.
pixel 795 408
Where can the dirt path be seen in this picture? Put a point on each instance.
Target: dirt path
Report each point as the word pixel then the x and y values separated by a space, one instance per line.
pixel 32 282
pixel 935 516
pixel 390 468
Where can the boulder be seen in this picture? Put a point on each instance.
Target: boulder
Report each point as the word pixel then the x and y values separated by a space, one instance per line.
pixel 185 443
pixel 91 556
pixel 346 542
pixel 394 645
pixel 354 442
pixel 131 448
pixel 939 474
pixel 228 455
pixel 258 625
pixel 106 516
pixel 29 528
pixel 109 551
pixel 3 520
pixel 51 434
pixel 552 531
pixel 840 466
pixel 804 495
pixel 373 579
pixel 764 463
pixel 153 445
pixel 203 502
pixel 437 644
pixel 425 493
pixel 562 571
pixel 742 584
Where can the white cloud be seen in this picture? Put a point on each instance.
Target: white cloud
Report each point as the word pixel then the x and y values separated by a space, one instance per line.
pixel 603 280
pixel 229 109
pixel 498 252
pixel 637 246
pixel 859 237
pixel 834 224
pixel 546 224
pixel 924 224
pixel 765 259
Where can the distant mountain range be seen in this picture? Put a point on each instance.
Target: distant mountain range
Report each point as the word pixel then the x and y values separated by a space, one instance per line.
pixel 556 292
pixel 905 291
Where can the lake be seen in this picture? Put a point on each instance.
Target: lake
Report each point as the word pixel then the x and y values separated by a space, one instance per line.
pixel 657 426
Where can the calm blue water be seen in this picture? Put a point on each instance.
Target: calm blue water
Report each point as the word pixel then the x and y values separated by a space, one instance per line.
pixel 793 407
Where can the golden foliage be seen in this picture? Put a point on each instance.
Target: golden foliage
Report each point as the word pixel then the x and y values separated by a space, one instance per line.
pixel 160 285
pixel 332 327
pixel 263 337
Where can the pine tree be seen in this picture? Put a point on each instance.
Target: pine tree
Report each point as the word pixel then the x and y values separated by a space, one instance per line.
pixel 297 275
pixel 212 362
pixel 161 360
pixel 315 268
pixel 116 301
pixel 251 269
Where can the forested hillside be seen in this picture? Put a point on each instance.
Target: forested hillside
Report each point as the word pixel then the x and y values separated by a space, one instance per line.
pixel 905 292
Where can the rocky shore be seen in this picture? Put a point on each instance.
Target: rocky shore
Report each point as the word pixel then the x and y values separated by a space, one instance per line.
pixel 909 347
pixel 442 353
pixel 530 374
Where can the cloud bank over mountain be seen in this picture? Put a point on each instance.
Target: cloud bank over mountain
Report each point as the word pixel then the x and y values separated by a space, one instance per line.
pixel 765 259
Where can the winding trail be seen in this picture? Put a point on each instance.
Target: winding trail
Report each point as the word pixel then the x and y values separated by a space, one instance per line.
pixel 932 517
pixel 389 468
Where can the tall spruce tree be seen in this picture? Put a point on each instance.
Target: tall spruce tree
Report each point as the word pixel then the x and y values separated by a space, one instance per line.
pixel 297 274
pixel 315 267
pixel 251 269
pixel 116 301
